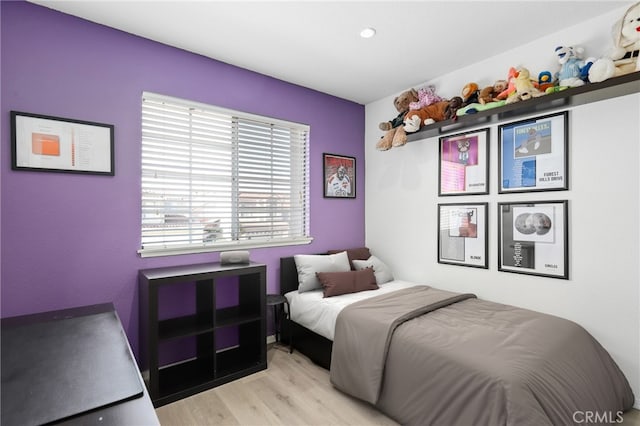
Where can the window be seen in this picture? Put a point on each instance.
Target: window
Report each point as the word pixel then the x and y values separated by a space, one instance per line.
pixel 215 179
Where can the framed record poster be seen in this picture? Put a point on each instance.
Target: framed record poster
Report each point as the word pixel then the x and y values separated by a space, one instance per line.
pixel 462 234
pixel 533 154
pixel 464 164
pixel 533 238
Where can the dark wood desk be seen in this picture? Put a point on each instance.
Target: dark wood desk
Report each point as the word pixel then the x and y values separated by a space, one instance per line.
pixel 72 366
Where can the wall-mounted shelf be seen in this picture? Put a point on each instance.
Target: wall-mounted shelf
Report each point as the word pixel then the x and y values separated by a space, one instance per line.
pixel 591 92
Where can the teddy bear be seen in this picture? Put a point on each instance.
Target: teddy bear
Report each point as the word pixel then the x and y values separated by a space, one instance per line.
pixel 426 96
pixel 395 134
pixel 623 58
pixel 429 114
pixel 524 86
pixel 571 64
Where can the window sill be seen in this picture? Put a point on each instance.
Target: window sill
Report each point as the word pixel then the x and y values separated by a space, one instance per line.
pixel 242 245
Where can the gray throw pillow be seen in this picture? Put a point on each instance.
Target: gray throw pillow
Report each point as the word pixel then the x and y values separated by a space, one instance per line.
pixel 309 264
pixel 380 270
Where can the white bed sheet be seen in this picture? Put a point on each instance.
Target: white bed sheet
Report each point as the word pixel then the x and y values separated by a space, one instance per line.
pixel 319 314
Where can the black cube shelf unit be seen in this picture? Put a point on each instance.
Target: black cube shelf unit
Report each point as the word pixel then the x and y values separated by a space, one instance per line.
pixel 209 367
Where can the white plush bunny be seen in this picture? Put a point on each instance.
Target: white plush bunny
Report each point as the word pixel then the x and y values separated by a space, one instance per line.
pixel 623 58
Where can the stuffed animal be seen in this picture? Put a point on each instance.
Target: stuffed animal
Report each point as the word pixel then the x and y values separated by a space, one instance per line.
pixel 525 89
pixel 426 96
pixel 414 120
pixel 486 98
pixel 477 107
pixel 490 93
pixel 571 64
pixel 584 72
pixel 545 81
pixel 511 85
pixel 455 104
pixel 395 134
pixel 623 58
pixel 470 93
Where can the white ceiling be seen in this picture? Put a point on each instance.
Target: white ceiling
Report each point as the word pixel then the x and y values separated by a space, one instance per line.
pixel 316 44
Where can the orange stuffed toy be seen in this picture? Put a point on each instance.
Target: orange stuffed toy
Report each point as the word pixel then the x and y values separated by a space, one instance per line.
pixel 511 85
pixel 429 114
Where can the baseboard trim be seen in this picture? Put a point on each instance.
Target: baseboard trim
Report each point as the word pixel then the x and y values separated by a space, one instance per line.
pixel 272 339
pixel 637 404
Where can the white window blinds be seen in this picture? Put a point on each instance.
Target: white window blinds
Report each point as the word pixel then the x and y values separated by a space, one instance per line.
pixel 215 179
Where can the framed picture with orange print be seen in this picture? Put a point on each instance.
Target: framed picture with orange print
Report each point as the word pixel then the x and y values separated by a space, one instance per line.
pixel 54 144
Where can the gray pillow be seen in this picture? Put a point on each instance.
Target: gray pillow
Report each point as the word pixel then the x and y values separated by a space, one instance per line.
pixel 380 270
pixel 309 264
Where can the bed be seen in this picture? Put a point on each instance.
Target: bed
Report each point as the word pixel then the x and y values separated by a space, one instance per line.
pixel 454 359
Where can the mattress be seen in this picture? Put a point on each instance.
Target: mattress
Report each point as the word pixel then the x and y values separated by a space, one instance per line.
pixel 319 314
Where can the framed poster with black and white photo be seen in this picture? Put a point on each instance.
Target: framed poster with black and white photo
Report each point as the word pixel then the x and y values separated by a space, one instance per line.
pixel 462 234
pixel 533 238
pixel 464 164
pixel 533 154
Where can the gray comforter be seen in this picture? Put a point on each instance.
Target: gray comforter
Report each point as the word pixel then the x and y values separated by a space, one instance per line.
pixel 431 357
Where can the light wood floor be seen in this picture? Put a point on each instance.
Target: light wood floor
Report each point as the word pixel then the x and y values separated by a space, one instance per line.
pixel 292 391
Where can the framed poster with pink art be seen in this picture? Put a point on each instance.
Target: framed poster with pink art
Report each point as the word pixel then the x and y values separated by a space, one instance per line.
pixel 464 164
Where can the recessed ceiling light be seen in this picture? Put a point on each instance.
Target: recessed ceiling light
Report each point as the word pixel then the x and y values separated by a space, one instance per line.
pixel 368 32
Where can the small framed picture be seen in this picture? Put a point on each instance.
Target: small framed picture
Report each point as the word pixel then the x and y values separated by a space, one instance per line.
pixel 464 164
pixel 55 144
pixel 533 238
pixel 339 176
pixel 533 154
pixel 462 234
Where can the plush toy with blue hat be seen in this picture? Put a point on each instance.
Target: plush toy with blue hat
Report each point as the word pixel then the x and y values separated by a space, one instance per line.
pixel 571 64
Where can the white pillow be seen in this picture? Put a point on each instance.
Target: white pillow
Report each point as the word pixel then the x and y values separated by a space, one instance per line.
pixel 380 270
pixel 309 264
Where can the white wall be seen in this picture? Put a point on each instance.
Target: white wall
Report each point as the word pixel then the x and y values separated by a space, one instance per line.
pixel 604 250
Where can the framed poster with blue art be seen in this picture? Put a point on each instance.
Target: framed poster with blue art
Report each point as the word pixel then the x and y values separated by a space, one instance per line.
pixel 533 154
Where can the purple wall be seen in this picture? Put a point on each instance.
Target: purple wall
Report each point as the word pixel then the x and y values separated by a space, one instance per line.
pixel 70 240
